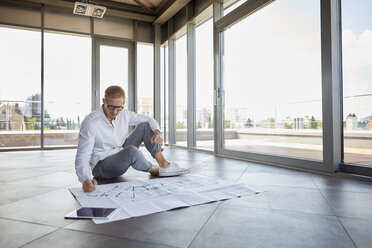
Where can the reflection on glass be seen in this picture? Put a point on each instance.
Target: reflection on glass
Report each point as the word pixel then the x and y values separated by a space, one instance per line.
pixel 204 86
pixel 357 78
pixel 20 99
pixel 272 81
pixel 113 68
pixel 67 80
pixel 145 79
pixel 181 91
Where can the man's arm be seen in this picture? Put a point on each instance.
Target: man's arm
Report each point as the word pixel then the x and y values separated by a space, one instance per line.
pixel 84 154
pixel 138 119
pixel 154 125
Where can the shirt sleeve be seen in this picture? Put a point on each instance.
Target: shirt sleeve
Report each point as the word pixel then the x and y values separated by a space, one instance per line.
pixel 84 153
pixel 136 119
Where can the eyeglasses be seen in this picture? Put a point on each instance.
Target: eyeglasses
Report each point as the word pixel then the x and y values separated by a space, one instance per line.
pixel 112 107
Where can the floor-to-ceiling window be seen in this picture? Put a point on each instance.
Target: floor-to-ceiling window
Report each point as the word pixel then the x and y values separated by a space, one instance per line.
pixel 204 86
pixel 145 79
pixel 272 81
pixel 181 91
pixel 67 87
pixel 357 81
pixel 20 88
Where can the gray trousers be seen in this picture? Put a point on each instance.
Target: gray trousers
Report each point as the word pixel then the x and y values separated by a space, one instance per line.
pixel 117 164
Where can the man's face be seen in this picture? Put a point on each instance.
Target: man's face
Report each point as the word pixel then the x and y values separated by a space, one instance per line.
pixel 113 106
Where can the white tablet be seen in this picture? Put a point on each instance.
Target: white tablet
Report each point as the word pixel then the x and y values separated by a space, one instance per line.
pixel 92 213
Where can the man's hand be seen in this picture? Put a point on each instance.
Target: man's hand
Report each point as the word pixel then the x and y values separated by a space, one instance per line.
pixel 157 137
pixel 89 186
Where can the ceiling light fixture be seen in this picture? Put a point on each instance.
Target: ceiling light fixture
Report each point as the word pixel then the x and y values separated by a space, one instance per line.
pixel 89 9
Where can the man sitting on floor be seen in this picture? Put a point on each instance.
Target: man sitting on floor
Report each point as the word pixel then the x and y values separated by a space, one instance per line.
pixel 105 150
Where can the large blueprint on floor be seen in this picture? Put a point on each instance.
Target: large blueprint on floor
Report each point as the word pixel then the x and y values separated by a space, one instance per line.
pixel 161 194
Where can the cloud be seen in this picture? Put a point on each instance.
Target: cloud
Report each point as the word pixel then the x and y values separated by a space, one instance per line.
pixel 357 50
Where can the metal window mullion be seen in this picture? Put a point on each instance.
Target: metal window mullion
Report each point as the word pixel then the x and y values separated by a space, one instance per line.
pixel 172 91
pixel 165 98
pixel 157 80
pixel 95 68
pixel 331 83
pixel 42 80
pixel 132 97
pixel 97 82
pixel 217 65
pixel 191 129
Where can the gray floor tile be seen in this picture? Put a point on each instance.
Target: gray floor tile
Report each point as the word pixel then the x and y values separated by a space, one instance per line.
pixel 13 175
pixel 68 238
pixel 16 233
pixel 225 163
pixel 343 184
pixel 350 204
pixel 232 175
pixel 55 179
pixel 359 230
pixel 274 179
pixel 49 208
pixel 257 168
pixel 174 228
pixel 285 198
pixel 185 157
pixel 11 193
pixel 233 226
pixel 226 169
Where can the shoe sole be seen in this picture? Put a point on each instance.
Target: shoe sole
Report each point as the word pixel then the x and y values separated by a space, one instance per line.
pixel 176 173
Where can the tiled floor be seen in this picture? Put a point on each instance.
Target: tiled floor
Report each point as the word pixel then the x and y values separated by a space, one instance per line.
pixel 293 209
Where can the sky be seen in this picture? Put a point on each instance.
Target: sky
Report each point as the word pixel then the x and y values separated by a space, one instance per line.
pixel 271 64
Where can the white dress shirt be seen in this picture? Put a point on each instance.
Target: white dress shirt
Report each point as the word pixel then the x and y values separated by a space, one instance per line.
pixel 99 139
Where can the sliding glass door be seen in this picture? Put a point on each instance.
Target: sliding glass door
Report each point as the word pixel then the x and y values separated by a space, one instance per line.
pixel 272 81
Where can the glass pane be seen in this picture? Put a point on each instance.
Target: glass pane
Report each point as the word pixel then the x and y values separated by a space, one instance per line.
pixel 67 80
pixel 204 86
pixel 357 81
pixel 20 99
pixel 181 91
pixel 145 79
pixel 113 68
pixel 272 81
